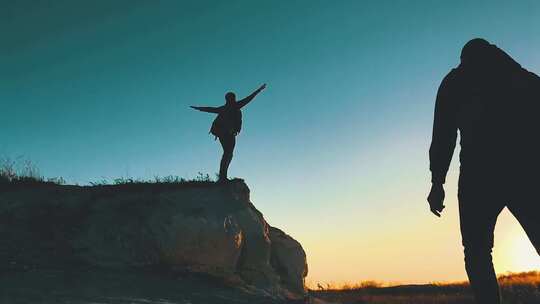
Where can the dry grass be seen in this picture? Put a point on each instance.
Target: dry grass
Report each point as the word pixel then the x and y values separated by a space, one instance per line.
pixel 22 172
pixel 414 299
pixel 517 288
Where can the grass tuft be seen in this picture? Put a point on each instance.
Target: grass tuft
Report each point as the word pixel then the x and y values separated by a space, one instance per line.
pixel 22 171
pixel 170 179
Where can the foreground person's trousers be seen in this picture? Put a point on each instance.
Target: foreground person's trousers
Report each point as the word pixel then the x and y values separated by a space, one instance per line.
pixel 481 199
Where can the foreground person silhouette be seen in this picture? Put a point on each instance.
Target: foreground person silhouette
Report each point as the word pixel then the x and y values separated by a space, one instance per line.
pixel 227 125
pixel 494 103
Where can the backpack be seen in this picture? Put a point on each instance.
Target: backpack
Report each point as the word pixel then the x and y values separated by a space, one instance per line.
pixel 229 121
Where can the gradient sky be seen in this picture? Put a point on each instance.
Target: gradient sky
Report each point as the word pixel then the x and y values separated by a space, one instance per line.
pixel 334 151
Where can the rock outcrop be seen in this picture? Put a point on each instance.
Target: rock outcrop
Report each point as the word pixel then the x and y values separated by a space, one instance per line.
pixel 200 227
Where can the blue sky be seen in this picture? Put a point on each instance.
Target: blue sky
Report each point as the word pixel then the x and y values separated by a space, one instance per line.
pixel 335 150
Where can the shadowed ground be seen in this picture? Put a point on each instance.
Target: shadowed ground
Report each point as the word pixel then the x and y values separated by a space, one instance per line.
pixel 100 286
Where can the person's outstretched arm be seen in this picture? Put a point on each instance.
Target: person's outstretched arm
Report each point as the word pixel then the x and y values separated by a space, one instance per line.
pixel 246 100
pixel 206 109
pixel 443 141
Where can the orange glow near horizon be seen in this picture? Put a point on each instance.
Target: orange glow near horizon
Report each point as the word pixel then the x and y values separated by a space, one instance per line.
pixel 408 252
pixel 389 236
pixel 513 252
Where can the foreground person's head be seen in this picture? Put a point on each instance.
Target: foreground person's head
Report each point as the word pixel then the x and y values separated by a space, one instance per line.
pixel 474 51
pixel 480 55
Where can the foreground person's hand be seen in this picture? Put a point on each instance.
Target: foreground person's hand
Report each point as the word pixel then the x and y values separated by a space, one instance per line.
pixel 436 199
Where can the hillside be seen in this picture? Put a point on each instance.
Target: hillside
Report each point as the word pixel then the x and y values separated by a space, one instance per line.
pixel 200 239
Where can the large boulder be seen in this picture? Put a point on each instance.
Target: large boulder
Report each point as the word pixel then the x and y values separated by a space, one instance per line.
pixel 200 227
pixel 288 259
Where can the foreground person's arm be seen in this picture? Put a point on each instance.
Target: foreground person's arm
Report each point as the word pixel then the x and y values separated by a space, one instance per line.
pixel 443 143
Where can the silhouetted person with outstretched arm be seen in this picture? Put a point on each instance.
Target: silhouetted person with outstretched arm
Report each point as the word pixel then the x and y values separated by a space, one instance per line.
pixel 494 103
pixel 227 125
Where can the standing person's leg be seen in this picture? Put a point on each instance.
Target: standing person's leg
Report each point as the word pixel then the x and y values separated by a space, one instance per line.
pixel 478 211
pixel 227 142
